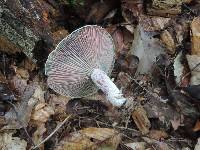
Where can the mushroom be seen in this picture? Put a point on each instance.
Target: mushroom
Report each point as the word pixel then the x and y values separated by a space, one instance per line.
pixel 81 64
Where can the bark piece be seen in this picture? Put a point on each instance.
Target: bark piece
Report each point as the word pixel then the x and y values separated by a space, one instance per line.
pixel 24 23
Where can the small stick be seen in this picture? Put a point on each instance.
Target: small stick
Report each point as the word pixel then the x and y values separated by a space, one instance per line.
pixel 56 129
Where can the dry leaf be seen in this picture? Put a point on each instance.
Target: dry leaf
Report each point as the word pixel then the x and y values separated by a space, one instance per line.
pixel 195 27
pixel 137 145
pixel 59 35
pixel 22 73
pixel 197 146
pixel 146 48
pixel 158 134
pixel 168 40
pixel 19 84
pixel 153 23
pixel 197 126
pixel 140 118
pixel 91 138
pixel 194 65
pixel 23 109
pixel 178 68
pixel 176 122
pixel 28 64
pixel 38 134
pixel 166 8
pixel 8 142
pixel 42 112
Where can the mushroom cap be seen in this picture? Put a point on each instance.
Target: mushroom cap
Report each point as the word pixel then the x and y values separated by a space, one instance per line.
pixel 70 65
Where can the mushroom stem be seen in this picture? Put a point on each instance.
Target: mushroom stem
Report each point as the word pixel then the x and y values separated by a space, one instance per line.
pixel 113 94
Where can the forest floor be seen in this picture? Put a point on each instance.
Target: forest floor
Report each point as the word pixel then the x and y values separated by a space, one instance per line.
pixel 157 66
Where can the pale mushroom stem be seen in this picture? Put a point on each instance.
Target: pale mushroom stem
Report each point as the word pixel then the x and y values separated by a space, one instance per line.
pixel 103 82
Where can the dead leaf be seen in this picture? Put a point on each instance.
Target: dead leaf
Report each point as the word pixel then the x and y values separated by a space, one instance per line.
pixel 140 118
pixel 42 112
pixel 168 40
pixel 176 122
pixel 194 65
pixel 197 126
pixel 137 145
pixel 153 23
pixel 38 134
pixel 195 29
pixel 146 48
pixel 23 109
pixel 59 35
pixel 197 146
pixel 158 134
pixel 58 103
pixel 22 73
pixel 165 8
pixel 8 142
pixel 91 138
pixel 99 10
pixel 28 64
pixel 18 84
pixel 178 68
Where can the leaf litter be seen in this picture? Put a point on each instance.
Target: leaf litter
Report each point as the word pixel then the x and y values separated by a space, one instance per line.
pixel 156 68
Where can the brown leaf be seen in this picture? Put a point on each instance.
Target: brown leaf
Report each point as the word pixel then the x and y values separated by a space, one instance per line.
pixel 91 138
pixel 169 41
pixel 194 65
pixel 197 126
pixel 140 118
pixel 22 73
pixel 8 142
pixel 137 145
pixel 38 134
pixel 42 112
pixel 58 103
pixel 197 146
pixel 23 109
pixel 195 27
pixel 158 134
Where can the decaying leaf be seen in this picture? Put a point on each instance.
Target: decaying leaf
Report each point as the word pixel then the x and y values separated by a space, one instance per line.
pixel 91 138
pixel 178 68
pixel 140 118
pixel 146 48
pixel 22 73
pixel 42 112
pixel 176 122
pixel 197 146
pixel 168 40
pixel 195 27
pixel 58 103
pixel 158 134
pixel 153 23
pixel 19 115
pixel 8 142
pixel 19 84
pixel 166 8
pixel 197 126
pixel 38 134
pixel 194 65
pixel 158 144
pixel 137 145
